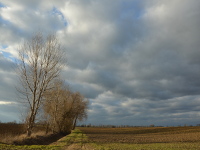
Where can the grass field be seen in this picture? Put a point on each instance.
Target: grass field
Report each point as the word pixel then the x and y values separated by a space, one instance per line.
pixel 140 138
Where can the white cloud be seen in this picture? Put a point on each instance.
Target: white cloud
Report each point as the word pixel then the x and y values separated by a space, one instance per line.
pixel 6 103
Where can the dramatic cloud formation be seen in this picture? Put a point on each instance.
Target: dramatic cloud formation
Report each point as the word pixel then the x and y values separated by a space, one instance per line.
pixel 136 61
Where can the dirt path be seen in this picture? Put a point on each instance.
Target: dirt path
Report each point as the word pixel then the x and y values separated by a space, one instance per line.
pixel 79 142
pixel 79 147
pixel 75 141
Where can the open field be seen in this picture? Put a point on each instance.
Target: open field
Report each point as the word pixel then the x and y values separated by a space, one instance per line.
pixel 143 135
pixel 11 128
pixel 138 138
pixel 144 138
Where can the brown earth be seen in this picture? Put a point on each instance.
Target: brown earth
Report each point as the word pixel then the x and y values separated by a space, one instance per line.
pixel 142 135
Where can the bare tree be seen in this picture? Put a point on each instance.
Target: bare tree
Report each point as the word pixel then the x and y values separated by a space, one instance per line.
pixel 40 63
pixel 57 102
pixel 80 106
pixel 62 108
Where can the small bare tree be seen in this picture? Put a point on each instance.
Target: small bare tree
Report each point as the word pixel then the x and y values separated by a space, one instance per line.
pixel 57 102
pixel 80 107
pixel 62 108
pixel 40 63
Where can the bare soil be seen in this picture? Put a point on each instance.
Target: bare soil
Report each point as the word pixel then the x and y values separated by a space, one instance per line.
pixel 142 135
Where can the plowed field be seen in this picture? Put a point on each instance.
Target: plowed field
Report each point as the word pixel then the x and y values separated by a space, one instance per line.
pixel 143 135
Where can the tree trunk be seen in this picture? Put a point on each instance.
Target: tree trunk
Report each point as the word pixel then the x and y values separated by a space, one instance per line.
pixel 74 125
pixel 47 128
pixel 28 132
pixel 30 124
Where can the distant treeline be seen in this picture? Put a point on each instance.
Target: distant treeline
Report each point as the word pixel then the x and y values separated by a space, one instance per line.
pixel 129 126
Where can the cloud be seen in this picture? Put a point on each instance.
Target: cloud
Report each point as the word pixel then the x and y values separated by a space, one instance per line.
pixel 136 61
pixel 31 17
pixel 176 111
pixel 5 103
pixel 141 57
pixel 9 112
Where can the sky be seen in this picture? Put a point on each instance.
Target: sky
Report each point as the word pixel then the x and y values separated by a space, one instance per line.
pixel 136 61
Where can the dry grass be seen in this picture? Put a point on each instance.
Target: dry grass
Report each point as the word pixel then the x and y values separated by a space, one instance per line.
pixel 10 138
pixel 143 135
pixel 11 133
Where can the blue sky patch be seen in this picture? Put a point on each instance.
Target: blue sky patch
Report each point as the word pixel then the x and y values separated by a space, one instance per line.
pixel 6 54
pixel 135 7
pixel 57 12
pixel 6 22
pixel 2 5
pixel 4 46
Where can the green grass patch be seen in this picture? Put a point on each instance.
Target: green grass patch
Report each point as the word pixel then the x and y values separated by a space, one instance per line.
pixel 75 137
pixel 29 147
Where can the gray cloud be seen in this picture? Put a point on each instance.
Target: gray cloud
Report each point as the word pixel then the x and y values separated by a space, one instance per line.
pixel 176 111
pixel 8 80
pixel 9 112
pixel 136 61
